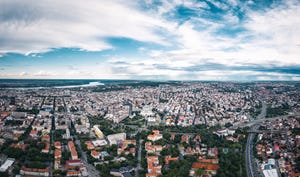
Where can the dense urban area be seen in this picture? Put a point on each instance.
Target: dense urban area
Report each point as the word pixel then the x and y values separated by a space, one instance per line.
pixel 145 128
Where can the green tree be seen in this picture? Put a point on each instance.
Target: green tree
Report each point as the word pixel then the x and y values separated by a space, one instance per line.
pixel 199 172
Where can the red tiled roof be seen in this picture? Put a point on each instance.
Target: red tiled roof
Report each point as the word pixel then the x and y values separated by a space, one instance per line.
pixel 95 153
pixel 294 175
pixel 209 167
pixel 35 169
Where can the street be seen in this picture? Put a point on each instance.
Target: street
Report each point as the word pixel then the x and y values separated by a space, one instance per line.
pixel 90 168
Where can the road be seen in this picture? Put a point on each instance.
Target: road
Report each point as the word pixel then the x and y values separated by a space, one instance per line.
pixel 92 171
pixel 258 121
pixel 251 166
pixel 90 168
pixel 282 132
pixel 139 158
pixel 52 135
pixel 263 112
pixel 250 163
pixel 262 117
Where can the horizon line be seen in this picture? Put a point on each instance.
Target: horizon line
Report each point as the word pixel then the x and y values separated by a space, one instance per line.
pixel 152 80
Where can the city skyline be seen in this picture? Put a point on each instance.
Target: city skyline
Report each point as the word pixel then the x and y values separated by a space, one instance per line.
pixel 150 40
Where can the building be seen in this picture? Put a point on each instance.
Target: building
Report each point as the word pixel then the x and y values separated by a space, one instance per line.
pixel 122 172
pixel 224 132
pixel 67 135
pixel 116 138
pixel 155 136
pixel 185 138
pixel 98 132
pixel 73 173
pixel 95 154
pixel 57 145
pixel 72 150
pixel 197 138
pixel 268 170
pixel 104 154
pixel 101 142
pixel 46 138
pixel 172 137
pixel 213 152
pixel 47 147
pixel 3 115
pixel 147 111
pixel 124 145
pixel 208 167
pixel 169 158
pixel 56 164
pixel 89 145
pixel 19 115
pixel 73 162
pixel 150 148
pixel 34 133
pixel 209 161
pixel 270 173
pixel 34 171
pixel 57 154
pixel 8 163
pixel 154 169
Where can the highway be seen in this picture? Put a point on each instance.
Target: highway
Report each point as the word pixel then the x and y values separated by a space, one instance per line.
pixel 263 112
pixel 258 121
pixel 251 166
pixel 250 163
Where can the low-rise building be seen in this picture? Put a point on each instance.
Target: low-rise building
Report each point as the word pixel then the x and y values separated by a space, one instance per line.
pixel 116 138
pixel 124 145
pixel 73 151
pixel 169 158
pixel 150 148
pixel 95 154
pixel 98 143
pixel 154 168
pixel 7 164
pixel 89 145
pixel 34 171
pixel 98 132
pixel 155 136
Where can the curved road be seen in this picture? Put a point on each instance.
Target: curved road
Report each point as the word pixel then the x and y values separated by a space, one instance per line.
pixel 257 121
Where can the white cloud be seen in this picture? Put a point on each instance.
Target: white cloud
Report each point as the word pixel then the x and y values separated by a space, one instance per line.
pixel 194 4
pixel 39 26
pixel 23 74
pixel 271 37
pixel 276 34
pixel 43 73
pixel 219 5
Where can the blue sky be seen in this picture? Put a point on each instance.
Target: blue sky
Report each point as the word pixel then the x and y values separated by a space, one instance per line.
pixel 150 39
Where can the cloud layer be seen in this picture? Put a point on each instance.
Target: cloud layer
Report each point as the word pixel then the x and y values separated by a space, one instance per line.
pixel 206 40
pixel 39 26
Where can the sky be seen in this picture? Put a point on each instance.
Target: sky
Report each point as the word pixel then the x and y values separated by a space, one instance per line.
pixel 235 40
